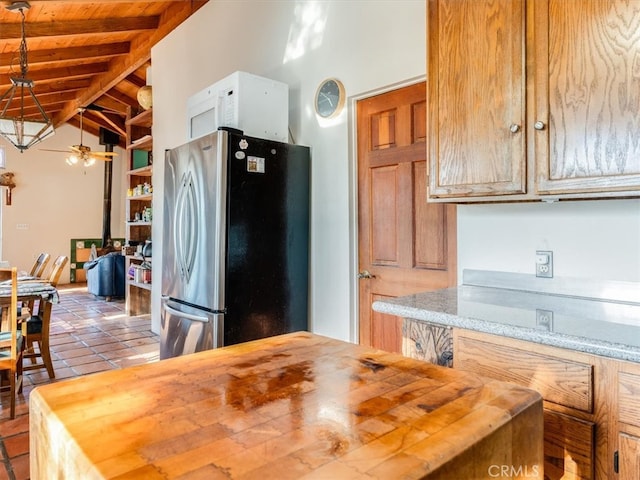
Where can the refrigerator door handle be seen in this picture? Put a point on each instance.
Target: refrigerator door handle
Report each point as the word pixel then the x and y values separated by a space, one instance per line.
pixel 186 226
pixel 188 316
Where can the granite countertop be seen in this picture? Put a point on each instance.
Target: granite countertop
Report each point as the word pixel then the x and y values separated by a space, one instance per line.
pixel 607 328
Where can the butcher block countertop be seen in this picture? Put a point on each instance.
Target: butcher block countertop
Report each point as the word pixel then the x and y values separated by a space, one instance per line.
pixel 292 406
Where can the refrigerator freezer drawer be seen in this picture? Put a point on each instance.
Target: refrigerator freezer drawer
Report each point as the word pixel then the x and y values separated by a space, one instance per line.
pixel 186 330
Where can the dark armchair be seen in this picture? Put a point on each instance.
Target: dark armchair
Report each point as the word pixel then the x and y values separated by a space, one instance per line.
pixel 106 276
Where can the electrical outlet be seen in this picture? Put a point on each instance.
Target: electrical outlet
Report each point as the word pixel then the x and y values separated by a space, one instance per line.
pixel 544 319
pixel 544 263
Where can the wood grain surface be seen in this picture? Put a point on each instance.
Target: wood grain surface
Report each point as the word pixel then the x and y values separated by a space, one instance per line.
pixel 426 341
pixel 477 140
pixel 292 406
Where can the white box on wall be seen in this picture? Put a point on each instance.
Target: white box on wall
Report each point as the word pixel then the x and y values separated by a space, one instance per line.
pixel 256 105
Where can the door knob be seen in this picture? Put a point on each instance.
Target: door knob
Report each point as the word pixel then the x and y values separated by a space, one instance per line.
pixel 365 274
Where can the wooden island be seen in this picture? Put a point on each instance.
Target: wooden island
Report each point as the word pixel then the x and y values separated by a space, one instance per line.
pixel 293 406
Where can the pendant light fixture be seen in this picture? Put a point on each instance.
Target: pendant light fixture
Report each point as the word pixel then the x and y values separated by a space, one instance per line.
pixel 23 132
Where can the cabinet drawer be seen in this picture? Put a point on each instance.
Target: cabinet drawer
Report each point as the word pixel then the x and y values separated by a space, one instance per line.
pixel 560 381
pixel 629 399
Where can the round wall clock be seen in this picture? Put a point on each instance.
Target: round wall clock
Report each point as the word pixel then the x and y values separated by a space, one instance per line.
pixel 330 98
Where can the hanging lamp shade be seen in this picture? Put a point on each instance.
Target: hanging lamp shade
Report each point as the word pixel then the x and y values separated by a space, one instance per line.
pixel 20 130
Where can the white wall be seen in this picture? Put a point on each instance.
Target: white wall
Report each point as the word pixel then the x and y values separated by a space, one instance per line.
pixel 55 201
pixel 299 43
pixel 369 46
pixel 589 239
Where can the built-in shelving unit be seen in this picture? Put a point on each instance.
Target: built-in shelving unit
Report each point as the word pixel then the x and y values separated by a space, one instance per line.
pixel 139 213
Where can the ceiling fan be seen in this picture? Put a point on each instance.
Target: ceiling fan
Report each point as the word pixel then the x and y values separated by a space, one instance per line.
pixel 83 153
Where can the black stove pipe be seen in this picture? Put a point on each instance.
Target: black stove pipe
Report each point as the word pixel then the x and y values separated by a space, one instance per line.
pixel 108 139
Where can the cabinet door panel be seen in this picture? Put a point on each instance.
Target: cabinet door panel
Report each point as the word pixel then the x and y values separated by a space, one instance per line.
pixel 591 69
pixel 629 399
pixel 476 87
pixel 629 457
pixel 569 447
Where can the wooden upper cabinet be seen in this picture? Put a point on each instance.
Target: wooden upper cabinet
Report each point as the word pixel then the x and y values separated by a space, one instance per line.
pixel 477 97
pixel 533 99
pixel 592 74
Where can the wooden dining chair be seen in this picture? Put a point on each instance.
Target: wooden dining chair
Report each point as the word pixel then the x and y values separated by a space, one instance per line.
pixel 37 270
pixel 38 326
pixel 12 342
pixel 39 266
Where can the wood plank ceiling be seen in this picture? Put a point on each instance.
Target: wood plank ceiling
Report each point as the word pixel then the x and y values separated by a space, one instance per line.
pixel 90 54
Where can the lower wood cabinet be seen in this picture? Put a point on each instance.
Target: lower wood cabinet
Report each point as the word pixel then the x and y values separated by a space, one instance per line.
pixel 567 384
pixel 628 457
pixel 591 403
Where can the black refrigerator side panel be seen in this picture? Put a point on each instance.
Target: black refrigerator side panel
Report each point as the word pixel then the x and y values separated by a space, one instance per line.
pixel 267 260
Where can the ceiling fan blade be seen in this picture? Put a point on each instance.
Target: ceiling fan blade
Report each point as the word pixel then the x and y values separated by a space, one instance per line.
pixel 75 148
pixel 50 150
pixel 104 154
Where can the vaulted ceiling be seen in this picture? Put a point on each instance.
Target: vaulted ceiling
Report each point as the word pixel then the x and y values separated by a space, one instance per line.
pixel 88 54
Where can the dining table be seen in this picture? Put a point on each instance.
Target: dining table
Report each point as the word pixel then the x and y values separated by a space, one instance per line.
pixel 294 406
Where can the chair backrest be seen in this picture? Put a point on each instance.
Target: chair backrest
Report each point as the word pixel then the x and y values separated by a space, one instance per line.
pixel 5 274
pixel 38 267
pixel 56 271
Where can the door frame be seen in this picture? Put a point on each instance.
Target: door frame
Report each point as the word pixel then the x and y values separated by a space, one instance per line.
pixel 352 120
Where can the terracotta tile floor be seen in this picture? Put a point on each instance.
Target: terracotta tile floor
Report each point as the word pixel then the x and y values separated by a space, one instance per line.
pixel 87 335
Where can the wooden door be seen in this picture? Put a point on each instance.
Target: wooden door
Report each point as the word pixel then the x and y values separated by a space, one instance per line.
pixel 587 70
pixel 477 140
pixel 405 245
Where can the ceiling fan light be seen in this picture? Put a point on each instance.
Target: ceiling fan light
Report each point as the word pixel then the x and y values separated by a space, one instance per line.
pixel 72 160
pixel 89 161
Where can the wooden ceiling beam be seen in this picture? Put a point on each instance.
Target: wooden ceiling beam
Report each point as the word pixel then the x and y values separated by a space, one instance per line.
pixel 46 99
pixel 92 126
pixel 120 97
pixel 123 66
pixel 10 31
pixel 56 74
pixel 103 51
pixel 61 86
pixel 32 112
pixel 108 121
pixel 108 104
pixel 136 81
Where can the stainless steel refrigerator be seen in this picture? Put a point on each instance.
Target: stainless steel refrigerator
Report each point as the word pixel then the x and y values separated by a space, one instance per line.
pixel 235 241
